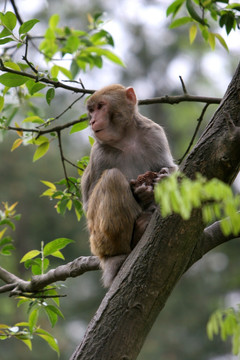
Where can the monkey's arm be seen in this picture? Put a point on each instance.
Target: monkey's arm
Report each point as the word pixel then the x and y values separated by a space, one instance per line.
pixel 86 186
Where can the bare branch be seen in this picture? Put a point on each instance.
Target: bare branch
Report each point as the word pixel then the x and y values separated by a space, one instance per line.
pixel 42 79
pixel 74 268
pixel 16 12
pixel 212 237
pixel 166 99
pixel 47 131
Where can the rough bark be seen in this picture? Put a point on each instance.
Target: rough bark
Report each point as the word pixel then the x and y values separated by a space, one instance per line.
pixel 167 249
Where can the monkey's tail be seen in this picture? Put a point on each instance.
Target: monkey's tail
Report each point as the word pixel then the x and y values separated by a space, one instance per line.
pixel 111 266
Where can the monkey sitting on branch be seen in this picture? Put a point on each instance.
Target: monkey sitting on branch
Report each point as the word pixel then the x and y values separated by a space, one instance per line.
pixel 128 146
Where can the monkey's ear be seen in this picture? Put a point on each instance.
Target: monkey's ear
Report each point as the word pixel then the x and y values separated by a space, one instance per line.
pixel 131 96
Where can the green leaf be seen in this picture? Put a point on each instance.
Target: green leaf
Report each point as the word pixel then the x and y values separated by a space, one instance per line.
pixel 52 316
pixel 50 95
pixel 58 254
pixel 38 266
pixel 193 13
pixel 30 255
pixel 179 22
pixel 6 250
pixel 192 33
pixel 9 20
pixel 91 140
pixel 53 313
pixel 34 119
pixel 27 342
pixel 12 65
pixel 32 320
pixel 49 184
pixel 104 52
pixel 56 245
pixel 174 7
pixel 211 40
pixel 66 72
pixel 41 151
pixel 27 26
pixel 4 32
pixel 5 40
pixel 71 45
pixel 222 41
pixel 54 71
pixel 53 22
pixel 80 126
pixel 12 80
pixel 38 141
pixel 52 342
pixel 36 87
pixel 1 103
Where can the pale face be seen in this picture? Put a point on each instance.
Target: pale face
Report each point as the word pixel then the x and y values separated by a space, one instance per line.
pixel 99 116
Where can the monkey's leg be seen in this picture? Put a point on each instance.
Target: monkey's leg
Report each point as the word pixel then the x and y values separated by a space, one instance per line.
pixel 112 211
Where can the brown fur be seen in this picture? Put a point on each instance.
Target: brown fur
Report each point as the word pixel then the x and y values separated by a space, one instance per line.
pixel 111 214
pixel 128 146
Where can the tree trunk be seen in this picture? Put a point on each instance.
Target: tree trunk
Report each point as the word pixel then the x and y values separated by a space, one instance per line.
pixel 166 250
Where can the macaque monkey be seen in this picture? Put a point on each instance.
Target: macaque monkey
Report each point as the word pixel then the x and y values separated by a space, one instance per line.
pixel 117 200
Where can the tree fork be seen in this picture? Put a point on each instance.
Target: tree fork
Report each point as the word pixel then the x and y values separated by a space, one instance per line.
pixel 149 274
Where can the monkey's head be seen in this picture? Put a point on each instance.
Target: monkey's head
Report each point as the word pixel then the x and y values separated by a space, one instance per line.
pixel 111 112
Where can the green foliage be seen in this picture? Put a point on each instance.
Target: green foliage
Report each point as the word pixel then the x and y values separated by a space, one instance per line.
pixel 25 331
pixel 87 48
pixel 67 197
pixel 38 302
pixel 178 194
pixel 38 262
pixel 7 216
pixel 226 323
pixel 201 15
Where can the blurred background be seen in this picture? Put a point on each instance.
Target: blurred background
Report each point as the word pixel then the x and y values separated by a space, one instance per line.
pixel 155 57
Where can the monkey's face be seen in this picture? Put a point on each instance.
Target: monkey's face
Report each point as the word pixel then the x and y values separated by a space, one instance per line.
pixel 111 113
pixel 102 121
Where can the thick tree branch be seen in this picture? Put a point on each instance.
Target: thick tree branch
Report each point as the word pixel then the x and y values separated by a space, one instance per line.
pixel 211 237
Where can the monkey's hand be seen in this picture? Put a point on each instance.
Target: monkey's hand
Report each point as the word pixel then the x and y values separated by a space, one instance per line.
pixel 142 189
pixel 163 173
pixel 143 194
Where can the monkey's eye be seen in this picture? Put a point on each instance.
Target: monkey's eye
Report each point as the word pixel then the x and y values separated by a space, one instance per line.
pixel 100 105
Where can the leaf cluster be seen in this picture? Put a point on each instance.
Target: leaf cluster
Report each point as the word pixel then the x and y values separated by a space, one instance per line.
pixel 179 194
pixel 226 323
pixel 38 262
pixel 7 217
pixel 200 14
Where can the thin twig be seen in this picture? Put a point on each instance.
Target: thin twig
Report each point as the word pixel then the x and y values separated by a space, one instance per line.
pixel 25 57
pixel 16 12
pixel 62 158
pixel 183 85
pixel 47 131
pixel 199 121
pixel 63 112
